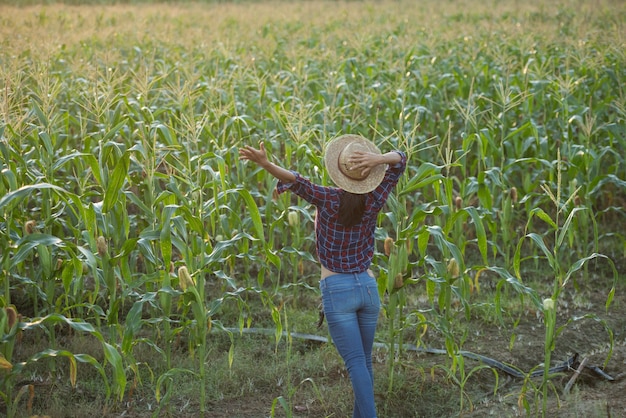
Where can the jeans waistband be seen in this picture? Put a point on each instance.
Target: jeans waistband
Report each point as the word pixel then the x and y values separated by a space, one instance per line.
pixel 346 276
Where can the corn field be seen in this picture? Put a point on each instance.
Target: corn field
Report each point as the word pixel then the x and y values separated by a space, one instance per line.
pixel 127 218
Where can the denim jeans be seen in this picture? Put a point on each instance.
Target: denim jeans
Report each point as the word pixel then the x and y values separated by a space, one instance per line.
pixel 351 305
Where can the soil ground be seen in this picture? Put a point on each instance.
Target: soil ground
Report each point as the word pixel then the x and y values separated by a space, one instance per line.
pixel 584 322
pixel 422 387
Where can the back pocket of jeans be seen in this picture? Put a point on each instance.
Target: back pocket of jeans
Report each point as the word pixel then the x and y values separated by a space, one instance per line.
pixel 342 300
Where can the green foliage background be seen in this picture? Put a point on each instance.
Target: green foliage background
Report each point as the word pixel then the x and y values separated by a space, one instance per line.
pixel 119 131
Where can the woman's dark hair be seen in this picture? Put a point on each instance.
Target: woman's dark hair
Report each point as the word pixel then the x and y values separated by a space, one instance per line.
pixel 351 208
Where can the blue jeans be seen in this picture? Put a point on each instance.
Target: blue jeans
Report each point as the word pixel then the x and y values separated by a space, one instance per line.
pixel 351 305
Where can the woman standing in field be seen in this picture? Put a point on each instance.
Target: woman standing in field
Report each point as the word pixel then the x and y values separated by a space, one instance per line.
pixel 344 230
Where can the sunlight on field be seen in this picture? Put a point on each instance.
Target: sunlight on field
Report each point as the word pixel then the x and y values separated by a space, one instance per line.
pixel 46 28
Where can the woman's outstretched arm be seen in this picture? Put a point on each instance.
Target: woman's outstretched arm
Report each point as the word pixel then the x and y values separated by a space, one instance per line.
pixel 259 157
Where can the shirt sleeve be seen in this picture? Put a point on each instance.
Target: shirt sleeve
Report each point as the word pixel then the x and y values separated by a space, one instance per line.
pixel 392 175
pixel 313 193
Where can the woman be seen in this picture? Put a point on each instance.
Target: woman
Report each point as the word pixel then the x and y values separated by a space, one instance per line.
pixel 344 230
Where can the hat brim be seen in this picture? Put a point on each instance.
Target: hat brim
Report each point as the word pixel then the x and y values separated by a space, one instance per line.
pixel 331 161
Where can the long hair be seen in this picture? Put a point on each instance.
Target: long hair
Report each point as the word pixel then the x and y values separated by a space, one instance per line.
pixel 351 208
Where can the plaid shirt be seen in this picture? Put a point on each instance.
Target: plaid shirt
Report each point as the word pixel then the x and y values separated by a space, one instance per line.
pixel 341 249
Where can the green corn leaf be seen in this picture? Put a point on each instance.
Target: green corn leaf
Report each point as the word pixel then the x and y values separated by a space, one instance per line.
pixel 67 275
pixel 181 234
pixel 45 258
pixel 115 359
pixel 453 219
pixel 417 218
pixel 543 216
pixel 136 200
pixel 127 248
pixel 145 248
pixel 132 325
pixel 165 197
pixel 113 131
pixel 193 221
pixel 36 109
pixel 26 245
pixel 427 173
pixel 278 332
pixel 484 194
pixel 92 262
pixel 168 376
pixel 566 226
pixel 116 181
pixel 517 258
pixel 77 325
pixel 382 282
pixel 86 358
pixel 59 353
pixel 436 232
pixel 581 262
pixel 90 214
pixel 516 284
pixel 253 211
pixel 231 355
pixel 609 298
pixel 538 239
pixel 481 236
pixel 166 292
pixel 16 196
pixel 283 403
pixel 422 241
pixel 165 237
pixel 166 134
pixel 9 176
pixel 431 288
pixel 90 159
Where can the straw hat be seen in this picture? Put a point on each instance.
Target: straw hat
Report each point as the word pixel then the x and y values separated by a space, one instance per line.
pixel 336 160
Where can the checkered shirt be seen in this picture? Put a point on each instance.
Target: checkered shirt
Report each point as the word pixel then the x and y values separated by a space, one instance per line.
pixel 341 249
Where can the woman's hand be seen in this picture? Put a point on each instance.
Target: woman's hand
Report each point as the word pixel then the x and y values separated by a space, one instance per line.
pixel 365 161
pixel 258 156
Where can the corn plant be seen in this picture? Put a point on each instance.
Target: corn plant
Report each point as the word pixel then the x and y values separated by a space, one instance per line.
pixel 559 265
pixel 463 377
pixel 392 285
pixel 12 370
pixel 118 165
